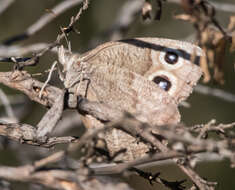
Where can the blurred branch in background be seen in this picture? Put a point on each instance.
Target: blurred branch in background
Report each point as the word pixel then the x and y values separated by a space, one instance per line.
pixel 4 4
pixel 19 51
pixel 7 106
pixel 221 94
pixel 43 21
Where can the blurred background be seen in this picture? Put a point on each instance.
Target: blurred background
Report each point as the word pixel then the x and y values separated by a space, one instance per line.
pixel 95 27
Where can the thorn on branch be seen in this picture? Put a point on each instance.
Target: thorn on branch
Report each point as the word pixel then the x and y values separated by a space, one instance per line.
pixel 27 62
pixel 174 185
pixel 146 175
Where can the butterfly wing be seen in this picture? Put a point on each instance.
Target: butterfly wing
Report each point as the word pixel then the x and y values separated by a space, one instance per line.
pixel 125 90
pixel 124 75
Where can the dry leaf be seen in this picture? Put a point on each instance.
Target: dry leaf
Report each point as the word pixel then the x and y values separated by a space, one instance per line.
pixel 146 10
pixel 204 66
pixel 185 17
pixel 231 25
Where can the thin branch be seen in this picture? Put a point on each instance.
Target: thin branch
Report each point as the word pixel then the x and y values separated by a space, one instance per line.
pixel 211 126
pixel 157 159
pixel 43 21
pixel 58 178
pixel 4 4
pixel 15 99
pixel 51 118
pixel 123 20
pixel 23 82
pixel 27 134
pixel 49 178
pixel 48 78
pixel 7 105
pixel 17 50
pixel 221 94
pixel 126 16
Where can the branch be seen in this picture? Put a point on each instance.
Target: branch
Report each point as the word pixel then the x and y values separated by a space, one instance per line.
pixel 57 178
pixel 4 4
pixel 27 134
pixel 223 95
pixel 23 82
pixel 43 21
pixel 7 105
pixel 17 50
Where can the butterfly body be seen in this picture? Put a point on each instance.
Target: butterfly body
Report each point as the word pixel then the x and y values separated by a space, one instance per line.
pixel 147 77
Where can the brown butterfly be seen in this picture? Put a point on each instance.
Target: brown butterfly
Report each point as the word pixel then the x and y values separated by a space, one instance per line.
pixel 147 77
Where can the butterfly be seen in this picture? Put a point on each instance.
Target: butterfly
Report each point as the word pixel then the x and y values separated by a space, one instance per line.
pixel 147 77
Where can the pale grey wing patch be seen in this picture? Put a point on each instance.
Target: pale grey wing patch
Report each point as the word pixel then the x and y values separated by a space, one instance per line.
pixel 126 90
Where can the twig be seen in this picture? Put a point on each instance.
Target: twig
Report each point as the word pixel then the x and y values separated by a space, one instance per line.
pixel 27 134
pixel 19 51
pixel 211 127
pixel 50 159
pixel 7 106
pixel 23 82
pixel 4 4
pixel 51 118
pixel 202 89
pixel 15 99
pixel 157 159
pixel 48 79
pixel 125 17
pixel 58 178
pixel 43 21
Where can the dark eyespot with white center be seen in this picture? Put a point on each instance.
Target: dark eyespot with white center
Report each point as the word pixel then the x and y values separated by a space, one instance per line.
pixel 171 57
pixel 163 82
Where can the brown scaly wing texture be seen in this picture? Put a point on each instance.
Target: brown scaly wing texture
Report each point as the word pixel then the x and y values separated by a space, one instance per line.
pixel 125 90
